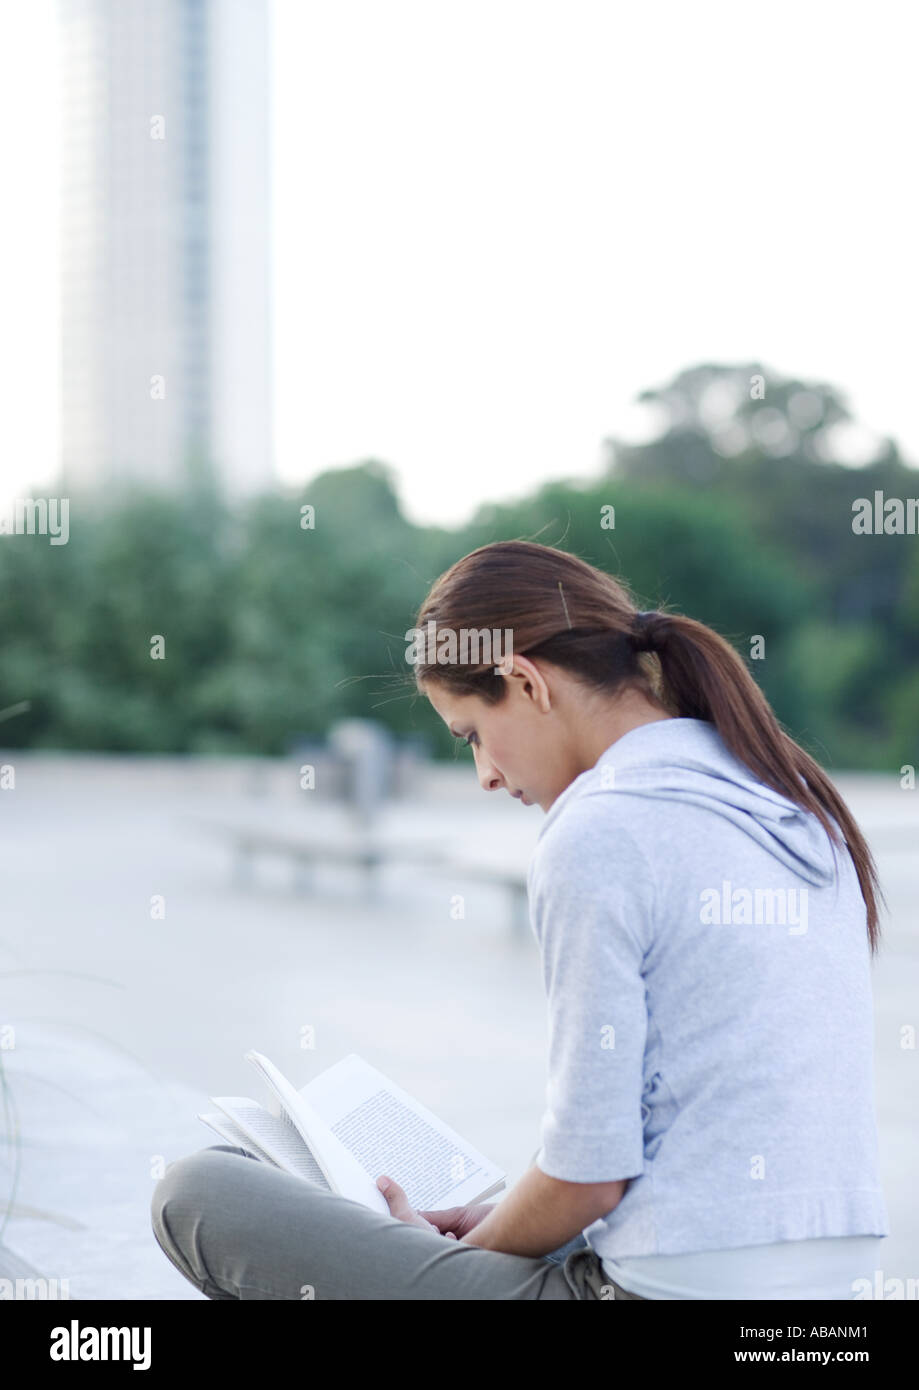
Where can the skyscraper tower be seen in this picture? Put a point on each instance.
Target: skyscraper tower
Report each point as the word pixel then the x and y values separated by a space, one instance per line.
pixel 165 295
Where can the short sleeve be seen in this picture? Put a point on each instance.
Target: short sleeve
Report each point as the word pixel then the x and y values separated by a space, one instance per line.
pixel 592 905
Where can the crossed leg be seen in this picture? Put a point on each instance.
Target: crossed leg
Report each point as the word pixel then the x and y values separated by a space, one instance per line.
pixel 245 1230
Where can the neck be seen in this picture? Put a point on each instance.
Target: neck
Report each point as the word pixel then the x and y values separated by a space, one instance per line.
pixel 603 728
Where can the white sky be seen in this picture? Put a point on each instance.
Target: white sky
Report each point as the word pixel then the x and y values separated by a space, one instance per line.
pixel 496 222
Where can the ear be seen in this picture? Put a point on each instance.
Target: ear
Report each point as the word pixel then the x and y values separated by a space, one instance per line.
pixel 527 679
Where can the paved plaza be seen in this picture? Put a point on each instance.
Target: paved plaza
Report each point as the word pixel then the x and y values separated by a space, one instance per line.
pixel 138 964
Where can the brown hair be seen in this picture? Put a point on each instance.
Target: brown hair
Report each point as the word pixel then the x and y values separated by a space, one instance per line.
pixel 558 607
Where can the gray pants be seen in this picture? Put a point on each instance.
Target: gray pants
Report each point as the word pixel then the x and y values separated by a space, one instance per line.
pixel 239 1228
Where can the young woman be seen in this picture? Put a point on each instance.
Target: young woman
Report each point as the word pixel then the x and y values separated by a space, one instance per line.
pixel 706 911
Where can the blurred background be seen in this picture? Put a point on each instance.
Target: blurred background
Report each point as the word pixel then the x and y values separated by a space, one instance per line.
pixel 305 302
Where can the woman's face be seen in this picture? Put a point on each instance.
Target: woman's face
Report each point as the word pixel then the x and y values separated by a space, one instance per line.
pixel 522 744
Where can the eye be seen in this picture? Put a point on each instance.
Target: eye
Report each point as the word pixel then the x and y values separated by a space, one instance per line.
pixel 467 741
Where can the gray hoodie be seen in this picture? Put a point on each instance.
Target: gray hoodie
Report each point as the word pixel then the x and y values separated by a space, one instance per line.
pixel 705 958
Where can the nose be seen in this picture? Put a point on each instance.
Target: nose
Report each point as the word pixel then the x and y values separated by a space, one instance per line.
pixel 490 779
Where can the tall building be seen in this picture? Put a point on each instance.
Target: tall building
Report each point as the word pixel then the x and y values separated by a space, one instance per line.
pixel 165 294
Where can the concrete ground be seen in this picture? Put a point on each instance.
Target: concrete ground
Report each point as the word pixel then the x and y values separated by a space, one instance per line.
pixel 137 968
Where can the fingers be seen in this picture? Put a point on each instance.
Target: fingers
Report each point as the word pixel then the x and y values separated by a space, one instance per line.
pixel 396 1199
pixel 400 1207
pixel 445 1219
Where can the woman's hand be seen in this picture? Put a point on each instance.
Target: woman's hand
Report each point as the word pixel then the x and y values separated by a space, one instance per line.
pixel 400 1208
pixel 459 1221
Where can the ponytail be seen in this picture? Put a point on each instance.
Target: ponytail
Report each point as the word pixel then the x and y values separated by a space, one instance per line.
pixel 704 678
pixel 564 610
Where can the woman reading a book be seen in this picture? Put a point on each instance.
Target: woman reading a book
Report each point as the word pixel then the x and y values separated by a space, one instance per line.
pixel 706 913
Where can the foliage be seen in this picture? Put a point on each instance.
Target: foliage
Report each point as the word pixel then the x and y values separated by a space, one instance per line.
pixel 274 629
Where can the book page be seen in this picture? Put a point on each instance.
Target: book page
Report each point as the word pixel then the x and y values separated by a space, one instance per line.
pixel 231 1133
pixel 343 1173
pixel 388 1131
pixel 276 1137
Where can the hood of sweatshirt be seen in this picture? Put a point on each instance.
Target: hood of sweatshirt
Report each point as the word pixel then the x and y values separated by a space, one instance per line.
pixel 687 760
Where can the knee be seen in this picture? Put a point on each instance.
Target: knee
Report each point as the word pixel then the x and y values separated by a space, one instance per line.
pixel 183 1190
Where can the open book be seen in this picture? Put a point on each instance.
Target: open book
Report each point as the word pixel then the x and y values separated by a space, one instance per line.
pixel 349 1126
